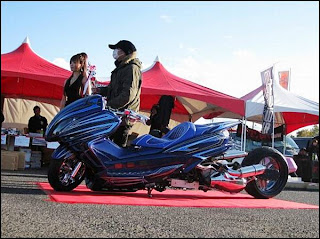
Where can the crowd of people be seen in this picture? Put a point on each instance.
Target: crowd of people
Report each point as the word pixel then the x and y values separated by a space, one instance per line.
pixel 123 91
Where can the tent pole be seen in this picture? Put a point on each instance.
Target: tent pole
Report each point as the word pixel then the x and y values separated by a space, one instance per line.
pixel 285 144
pixel 289 79
pixel 272 136
pixel 241 144
pixel 273 130
pixel 285 140
pixel 245 135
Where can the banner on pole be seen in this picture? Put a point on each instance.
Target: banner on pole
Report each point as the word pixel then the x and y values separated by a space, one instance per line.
pixel 267 82
pixel 284 79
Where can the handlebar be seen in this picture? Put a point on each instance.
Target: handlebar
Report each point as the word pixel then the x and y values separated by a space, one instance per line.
pixel 133 116
pixel 130 114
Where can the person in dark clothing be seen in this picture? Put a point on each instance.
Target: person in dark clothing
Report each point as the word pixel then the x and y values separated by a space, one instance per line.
pixel 37 122
pixel 313 151
pixel 304 165
pixel 74 85
pixel 313 147
pixel 166 104
pixel 160 116
pixel 2 117
pixel 123 91
pixel 156 128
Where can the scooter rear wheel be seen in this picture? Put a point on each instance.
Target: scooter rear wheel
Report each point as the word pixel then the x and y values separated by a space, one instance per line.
pixel 261 186
pixel 59 174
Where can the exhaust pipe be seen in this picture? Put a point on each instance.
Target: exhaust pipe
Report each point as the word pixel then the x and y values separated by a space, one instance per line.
pixel 235 180
pixel 228 184
pixel 248 171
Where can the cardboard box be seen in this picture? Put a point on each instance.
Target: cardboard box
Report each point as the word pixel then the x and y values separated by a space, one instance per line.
pixel 9 160
pixel 20 159
pixel 36 155
pixel 27 154
pixel 35 161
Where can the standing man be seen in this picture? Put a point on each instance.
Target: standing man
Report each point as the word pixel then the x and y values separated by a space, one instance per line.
pixel 37 122
pixel 123 91
pixel 313 151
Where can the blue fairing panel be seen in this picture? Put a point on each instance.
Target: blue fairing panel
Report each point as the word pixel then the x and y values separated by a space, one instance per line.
pixel 61 152
pixel 178 134
pixel 107 150
pixel 181 133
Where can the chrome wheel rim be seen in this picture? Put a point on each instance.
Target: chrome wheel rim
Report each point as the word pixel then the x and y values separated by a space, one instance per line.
pixel 66 169
pixel 265 185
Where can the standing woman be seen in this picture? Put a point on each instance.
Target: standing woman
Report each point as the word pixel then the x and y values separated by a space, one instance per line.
pixel 74 85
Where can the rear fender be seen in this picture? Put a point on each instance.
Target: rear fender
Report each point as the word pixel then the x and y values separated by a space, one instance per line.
pixel 61 152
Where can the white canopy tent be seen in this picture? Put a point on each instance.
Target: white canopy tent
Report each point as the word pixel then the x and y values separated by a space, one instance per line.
pixel 290 109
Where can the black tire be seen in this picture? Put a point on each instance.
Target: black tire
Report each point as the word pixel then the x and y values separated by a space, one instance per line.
pixel 60 169
pixel 96 186
pixel 274 160
pixel 93 185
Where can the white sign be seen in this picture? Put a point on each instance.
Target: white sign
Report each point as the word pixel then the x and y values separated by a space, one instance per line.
pixel 3 139
pixel 52 145
pixel 38 141
pixel 21 141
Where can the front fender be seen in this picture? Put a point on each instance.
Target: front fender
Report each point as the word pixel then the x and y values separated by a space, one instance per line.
pixel 61 152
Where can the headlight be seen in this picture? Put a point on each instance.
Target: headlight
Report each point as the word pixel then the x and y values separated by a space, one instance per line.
pixel 225 133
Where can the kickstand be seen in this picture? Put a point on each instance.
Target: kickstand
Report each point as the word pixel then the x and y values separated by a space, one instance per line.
pixel 149 192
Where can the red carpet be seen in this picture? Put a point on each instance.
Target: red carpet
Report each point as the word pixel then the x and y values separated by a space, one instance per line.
pixel 169 198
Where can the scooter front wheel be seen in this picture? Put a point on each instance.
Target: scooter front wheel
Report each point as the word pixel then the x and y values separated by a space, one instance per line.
pixel 60 174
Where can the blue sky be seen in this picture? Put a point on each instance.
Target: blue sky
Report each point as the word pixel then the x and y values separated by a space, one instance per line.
pixel 221 45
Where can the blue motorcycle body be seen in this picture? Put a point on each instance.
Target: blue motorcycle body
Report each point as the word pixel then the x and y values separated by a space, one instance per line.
pixel 83 129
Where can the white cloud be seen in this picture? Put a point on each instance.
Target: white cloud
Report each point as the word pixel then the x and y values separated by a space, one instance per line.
pixel 62 63
pixel 166 18
pixel 189 49
pixel 192 50
pixel 242 74
pixel 236 78
pixel 305 76
pixel 243 53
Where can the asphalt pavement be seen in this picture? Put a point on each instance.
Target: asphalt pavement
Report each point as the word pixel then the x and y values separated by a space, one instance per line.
pixel 25 212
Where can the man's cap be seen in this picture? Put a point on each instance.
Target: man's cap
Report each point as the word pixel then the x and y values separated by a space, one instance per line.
pixel 124 45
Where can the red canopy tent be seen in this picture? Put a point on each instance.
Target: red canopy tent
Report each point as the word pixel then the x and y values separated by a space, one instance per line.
pixel 26 75
pixel 192 100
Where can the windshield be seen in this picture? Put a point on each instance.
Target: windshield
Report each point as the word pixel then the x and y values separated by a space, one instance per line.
pixel 291 143
pixel 291 147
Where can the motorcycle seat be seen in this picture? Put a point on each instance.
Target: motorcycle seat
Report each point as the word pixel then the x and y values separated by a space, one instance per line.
pixel 177 135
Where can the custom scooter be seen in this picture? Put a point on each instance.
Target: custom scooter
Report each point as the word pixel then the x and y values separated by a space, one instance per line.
pixel 189 156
